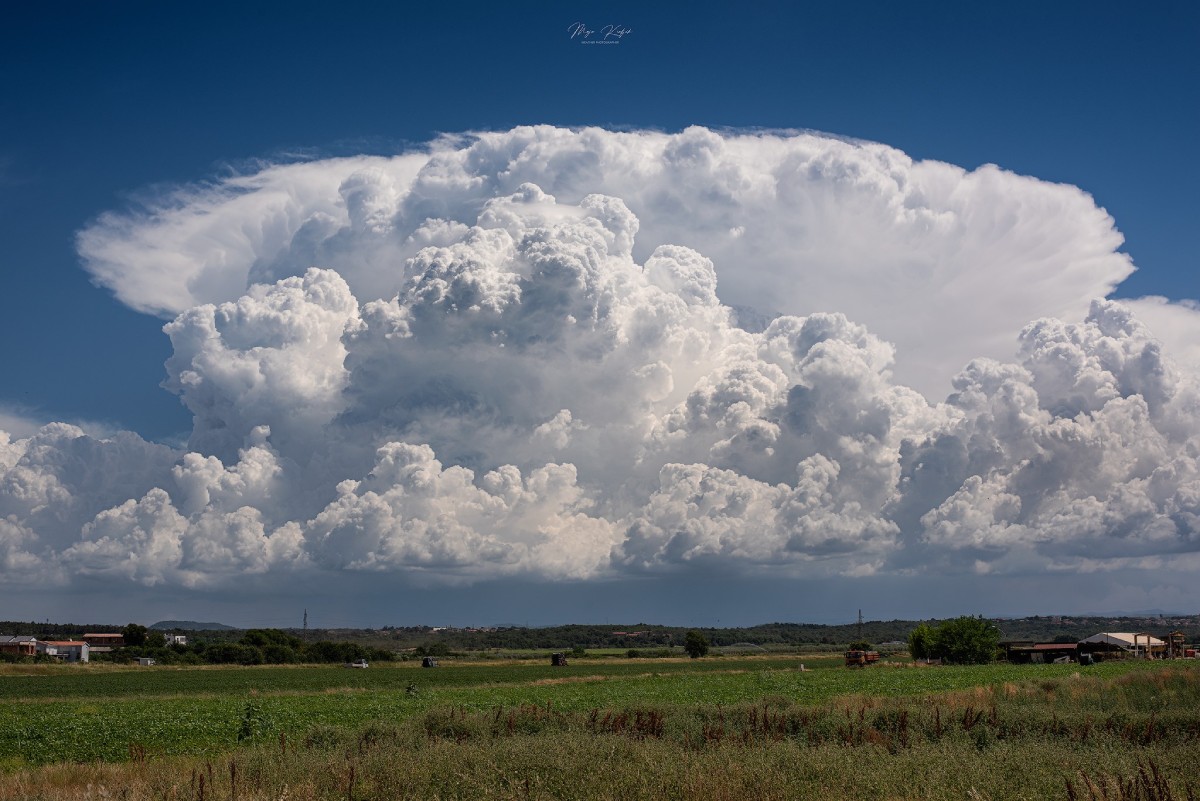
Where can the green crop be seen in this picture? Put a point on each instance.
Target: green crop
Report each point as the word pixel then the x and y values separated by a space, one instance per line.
pixel 713 728
pixel 106 714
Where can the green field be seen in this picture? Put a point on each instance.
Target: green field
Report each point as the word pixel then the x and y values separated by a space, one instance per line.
pixel 1059 718
pixel 77 713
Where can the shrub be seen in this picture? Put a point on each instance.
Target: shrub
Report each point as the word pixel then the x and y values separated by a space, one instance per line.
pixel 253 723
pixel 967 641
pixel 962 641
pixel 921 641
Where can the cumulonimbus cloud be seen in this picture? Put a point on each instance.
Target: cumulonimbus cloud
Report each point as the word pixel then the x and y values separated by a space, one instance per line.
pixel 943 262
pixel 575 354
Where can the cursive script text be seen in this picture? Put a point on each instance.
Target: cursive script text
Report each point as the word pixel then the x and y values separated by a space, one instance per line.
pixel 607 34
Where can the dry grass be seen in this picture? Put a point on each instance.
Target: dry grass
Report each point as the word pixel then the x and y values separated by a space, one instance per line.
pixel 568 680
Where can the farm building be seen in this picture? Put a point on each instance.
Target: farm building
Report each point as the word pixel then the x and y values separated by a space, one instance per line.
pixel 18 646
pixel 1124 644
pixel 1037 653
pixel 65 650
pixel 107 642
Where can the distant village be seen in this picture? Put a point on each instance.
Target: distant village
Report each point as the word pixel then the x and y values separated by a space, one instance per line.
pixel 80 650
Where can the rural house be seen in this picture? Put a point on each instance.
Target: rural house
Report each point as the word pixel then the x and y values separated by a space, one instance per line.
pixel 65 650
pixel 18 646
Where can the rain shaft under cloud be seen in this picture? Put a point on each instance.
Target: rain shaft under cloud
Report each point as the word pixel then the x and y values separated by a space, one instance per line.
pixel 562 354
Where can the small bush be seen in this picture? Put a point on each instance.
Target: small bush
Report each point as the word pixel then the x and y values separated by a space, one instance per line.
pixel 254 723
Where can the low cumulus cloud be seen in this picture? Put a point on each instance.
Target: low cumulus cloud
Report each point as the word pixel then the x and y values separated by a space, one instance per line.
pixel 582 354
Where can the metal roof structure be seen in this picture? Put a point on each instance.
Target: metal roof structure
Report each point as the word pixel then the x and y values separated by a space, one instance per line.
pixel 1126 640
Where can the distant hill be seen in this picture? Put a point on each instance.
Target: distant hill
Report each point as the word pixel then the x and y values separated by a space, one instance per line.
pixel 192 625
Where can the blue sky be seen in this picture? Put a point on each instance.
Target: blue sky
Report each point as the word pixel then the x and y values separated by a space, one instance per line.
pixel 109 106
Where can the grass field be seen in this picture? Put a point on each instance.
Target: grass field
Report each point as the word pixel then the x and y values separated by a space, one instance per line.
pixel 677 726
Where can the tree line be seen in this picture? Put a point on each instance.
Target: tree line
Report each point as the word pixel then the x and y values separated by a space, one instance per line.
pixel 253 647
pixel 649 639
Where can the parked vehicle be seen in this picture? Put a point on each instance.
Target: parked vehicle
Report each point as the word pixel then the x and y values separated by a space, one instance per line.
pixel 361 663
pixel 858 658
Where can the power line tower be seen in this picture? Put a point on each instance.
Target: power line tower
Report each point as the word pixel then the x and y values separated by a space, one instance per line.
pixel 304 632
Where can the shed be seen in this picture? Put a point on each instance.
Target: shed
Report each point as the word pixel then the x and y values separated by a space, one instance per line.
pixel 1025 652
pixel 1120 642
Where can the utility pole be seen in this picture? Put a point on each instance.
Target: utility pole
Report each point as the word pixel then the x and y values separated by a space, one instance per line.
pixel 304 635
pixel 860 625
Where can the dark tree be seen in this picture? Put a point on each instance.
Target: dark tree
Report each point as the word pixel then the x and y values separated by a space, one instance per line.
pixel 134 634
pixel 696 644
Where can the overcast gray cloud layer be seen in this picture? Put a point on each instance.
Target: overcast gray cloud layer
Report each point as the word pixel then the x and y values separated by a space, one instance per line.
pixel 558 354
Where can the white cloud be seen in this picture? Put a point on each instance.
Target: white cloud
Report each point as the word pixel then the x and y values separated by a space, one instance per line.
pixel 19 564
pixel 18 423
pixel 1175 324
pixel 943 262
pixel 56 480
pixel 513 357
pixel 207 244
pixel 412 513
pixel 271 358
pixel 1104 467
